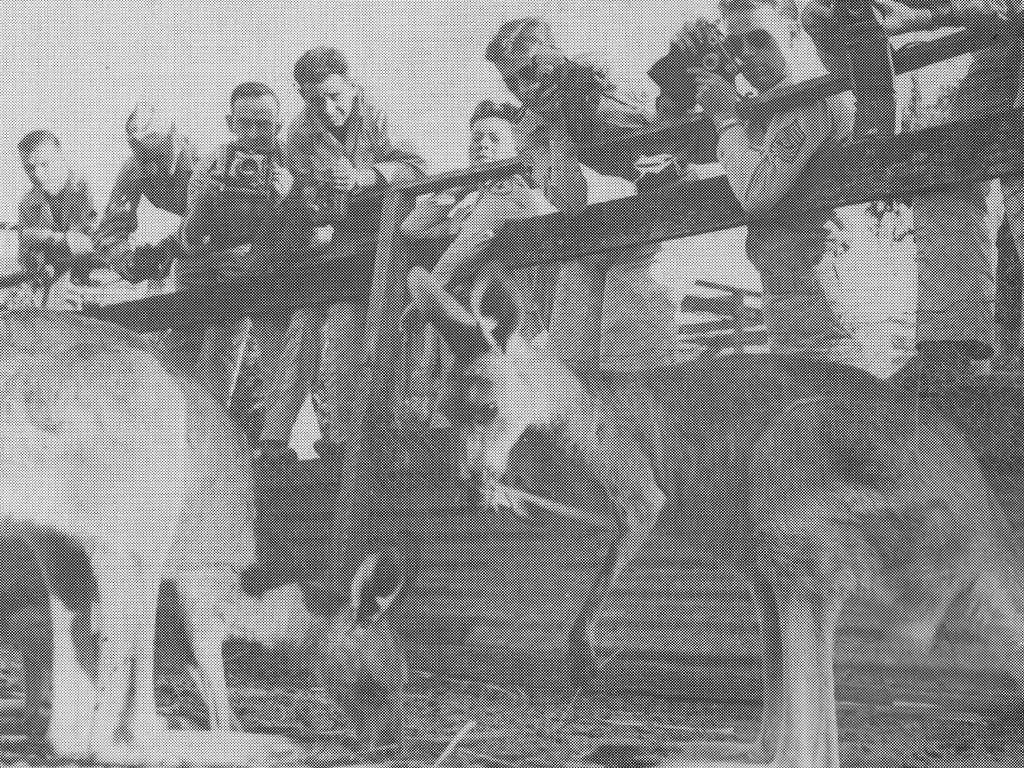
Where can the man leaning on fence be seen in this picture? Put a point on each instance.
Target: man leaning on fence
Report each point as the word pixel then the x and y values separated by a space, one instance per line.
pixel 956 253
pixel 765 163
pixel 572 107
pixel 159 169
pixel 338 149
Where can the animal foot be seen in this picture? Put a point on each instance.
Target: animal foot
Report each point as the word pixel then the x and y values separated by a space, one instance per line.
pixel 234 749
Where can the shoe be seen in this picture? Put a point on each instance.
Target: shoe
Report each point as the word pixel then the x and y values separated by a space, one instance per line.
pixel 955 384
pixel 273 459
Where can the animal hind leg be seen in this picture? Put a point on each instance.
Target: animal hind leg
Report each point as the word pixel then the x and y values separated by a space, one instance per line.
pixel 126 727
pixel 73 690
pixel 809 736
pixel 205 609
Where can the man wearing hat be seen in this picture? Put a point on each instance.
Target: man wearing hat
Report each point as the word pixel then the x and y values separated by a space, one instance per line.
pixel 159 168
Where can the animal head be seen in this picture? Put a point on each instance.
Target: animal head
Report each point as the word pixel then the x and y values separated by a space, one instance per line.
pixel 487 392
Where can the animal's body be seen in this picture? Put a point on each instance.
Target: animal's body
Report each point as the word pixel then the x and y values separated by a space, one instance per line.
pixel 814 481
pixel 114 473
pixel 120 475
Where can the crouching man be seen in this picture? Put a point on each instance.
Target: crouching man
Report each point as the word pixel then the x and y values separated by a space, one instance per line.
pixel 57 216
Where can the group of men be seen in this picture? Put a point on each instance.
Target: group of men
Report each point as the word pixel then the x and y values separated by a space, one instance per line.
pixel 259 203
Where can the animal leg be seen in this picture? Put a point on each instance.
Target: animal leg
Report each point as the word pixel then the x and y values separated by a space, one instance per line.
pixel 73 691
pixel 126 728
pixel 810 731
pixel 205 619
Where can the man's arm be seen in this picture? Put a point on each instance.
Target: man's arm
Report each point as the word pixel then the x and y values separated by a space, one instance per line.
pixel 115 236
pixel 761 172
pixel 818 18
pixel 393 164
pixel 195 227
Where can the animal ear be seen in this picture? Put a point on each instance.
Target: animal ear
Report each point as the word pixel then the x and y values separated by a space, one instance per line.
pixel 457 325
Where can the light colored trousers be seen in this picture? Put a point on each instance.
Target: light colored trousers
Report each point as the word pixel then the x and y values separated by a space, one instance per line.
pixel 320 354
pixel 955 248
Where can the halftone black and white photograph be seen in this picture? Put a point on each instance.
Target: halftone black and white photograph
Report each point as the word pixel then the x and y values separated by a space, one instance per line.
pixel 500 383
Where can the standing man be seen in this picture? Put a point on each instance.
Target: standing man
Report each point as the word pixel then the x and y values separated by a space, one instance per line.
pixel 764 162
pixel 159 168
pixel 236 204
pixel 335 148
pixel 955 249
pixel 569 106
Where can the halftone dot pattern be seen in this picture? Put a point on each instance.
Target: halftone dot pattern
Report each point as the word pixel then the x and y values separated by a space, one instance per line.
pixel 528 597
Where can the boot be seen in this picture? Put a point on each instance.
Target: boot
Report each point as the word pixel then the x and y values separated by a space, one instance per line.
pixel 331 453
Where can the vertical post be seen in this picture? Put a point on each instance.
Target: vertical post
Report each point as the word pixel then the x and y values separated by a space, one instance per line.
pixel 371 504
pixel 870 64
pixel 1008 291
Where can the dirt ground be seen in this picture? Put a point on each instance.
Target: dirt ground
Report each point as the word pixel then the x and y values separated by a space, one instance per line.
pixel 513 726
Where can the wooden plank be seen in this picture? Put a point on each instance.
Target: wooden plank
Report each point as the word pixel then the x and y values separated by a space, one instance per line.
pixel 468 178
pixel 879 169
pixel 726 306
pixel 694 136
pixel 709 329
pixel 373 502
pixel 898 168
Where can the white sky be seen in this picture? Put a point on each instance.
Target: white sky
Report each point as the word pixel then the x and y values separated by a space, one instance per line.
pixel 78 66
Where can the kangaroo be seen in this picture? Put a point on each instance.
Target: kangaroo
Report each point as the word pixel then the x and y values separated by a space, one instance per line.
pixel 115 474
pixel 351 652
pixel 830 492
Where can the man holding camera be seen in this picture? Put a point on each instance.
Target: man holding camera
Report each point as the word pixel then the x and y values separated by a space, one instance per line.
pixel 571 106
pixel 794 253
pixel 236 204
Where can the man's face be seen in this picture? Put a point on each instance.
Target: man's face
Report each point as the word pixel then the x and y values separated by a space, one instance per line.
pixel 46 168
pixel 491 139
pixel 763 41
pixel 333 100
pixel 522 69
pixel 255 121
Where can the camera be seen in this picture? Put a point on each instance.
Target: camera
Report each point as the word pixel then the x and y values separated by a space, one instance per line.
pixel 247 171
pixel 701 46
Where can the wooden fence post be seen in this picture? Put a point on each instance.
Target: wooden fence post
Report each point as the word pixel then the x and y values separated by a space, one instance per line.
pixel 371 507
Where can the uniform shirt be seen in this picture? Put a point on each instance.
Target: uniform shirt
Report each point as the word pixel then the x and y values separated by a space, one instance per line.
pixel 552 149
pixel 166 191
pixel 72 209
pixel 233 210
pixel 311 150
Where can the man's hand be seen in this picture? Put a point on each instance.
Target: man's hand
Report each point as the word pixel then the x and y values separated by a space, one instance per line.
pixel 79 244
pixel 896 17
pixel 717 97
pixel 342 174
pixel 448 200
pixel 281 180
